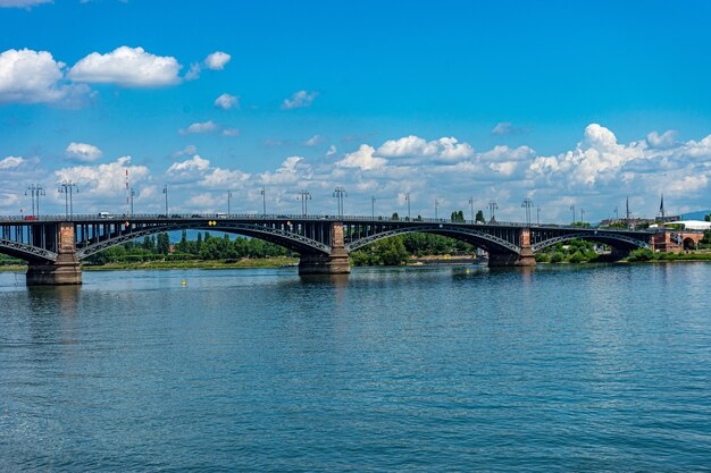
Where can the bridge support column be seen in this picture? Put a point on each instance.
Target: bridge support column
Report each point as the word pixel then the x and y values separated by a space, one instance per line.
pixel 525 257
pixel 334 263
pixel 63 272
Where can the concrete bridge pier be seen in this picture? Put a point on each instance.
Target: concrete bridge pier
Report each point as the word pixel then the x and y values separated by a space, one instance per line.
pixel 66 271
pixel 525 257
pixel 334 263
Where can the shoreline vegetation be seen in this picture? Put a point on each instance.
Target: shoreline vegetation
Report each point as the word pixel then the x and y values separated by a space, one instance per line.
pixel 223 252
pixel 289 262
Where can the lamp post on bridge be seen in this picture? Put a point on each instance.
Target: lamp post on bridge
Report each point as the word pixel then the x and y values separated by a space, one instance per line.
pixel 582 215
pixel 372 207
pixel 492 207
pixel 68 188
pixel 229 198
pixel 538 215
pixel 132 194
pixel 527 203
pixel 263 192
pixel 572 209
pixel 471 207
pixel 407 198
pixel 339 193
pixel 165 191
pixel 305 197
pixel 436 205
pixel 35 192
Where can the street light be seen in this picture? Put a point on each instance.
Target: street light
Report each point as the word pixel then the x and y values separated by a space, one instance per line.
pixel 372 207
pixel 471 205
pixel 492 208
pixel 35 192
pixel 68 188
pixel 572 209
pixel 305 197
pixel 229 198
pixel 165 191
pixel 132 195
pixel 436 205
pixel 339 193
pixel 538 215
pixel 263 191
pixel 527 203
pixel 582 215
pixel 407 198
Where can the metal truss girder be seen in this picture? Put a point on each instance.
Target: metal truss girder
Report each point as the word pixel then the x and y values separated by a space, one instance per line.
pixel 441 229
pixel 276 235
pixel 591 235
pixel 29 251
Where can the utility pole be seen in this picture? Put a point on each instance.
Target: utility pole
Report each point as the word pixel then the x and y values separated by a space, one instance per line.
pixel 264 201
pixel 165 191
pixel 527 203
pixel 339 193
pixel 68 188
pixel 492 207
pixel 35 192
pixel 305 197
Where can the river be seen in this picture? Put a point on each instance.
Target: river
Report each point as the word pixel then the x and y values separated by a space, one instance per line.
pixel 433 369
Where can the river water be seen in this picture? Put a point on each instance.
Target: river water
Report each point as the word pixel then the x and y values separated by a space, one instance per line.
pixel 563 368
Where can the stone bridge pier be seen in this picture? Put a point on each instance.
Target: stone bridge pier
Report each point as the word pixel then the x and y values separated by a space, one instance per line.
pixel 65 271
pixel 334 263
pixel 526 257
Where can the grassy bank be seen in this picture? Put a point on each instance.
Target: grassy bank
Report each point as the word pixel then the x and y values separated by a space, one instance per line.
pixel 245 263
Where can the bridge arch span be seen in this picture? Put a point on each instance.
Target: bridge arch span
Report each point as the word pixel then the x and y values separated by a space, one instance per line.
pixel 281 237
pixel 29 253
pixel 488 242
pixel 617 241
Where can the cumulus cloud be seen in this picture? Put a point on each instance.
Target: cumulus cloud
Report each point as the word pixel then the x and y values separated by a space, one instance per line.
pixel 446 148
pixel 28 76
pixel 82 152
pixel 197 170
pixel 227 101
pixel 11 162
pixel 103 180
pixel 299 99
pixel 292 170
pixel 196 128
pixel 364 159
pixel 217 60
pixel 665 140
pixel 126 67
pixel 22 3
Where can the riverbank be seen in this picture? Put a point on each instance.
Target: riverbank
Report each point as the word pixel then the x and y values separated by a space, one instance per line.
pixel 245 263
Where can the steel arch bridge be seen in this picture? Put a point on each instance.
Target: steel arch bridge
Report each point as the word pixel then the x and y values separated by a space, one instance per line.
pixel 56 241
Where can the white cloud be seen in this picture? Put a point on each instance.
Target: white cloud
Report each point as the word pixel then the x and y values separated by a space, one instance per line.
pixel 28 76
pixel 103 180
pixel 299 99
pixel 446 148
pixel 204 127
pixel 665 140
pixel 217 60
pixel 227 101
pixel 196 163
pixel 364 159
pixel 508 129
pixel 11 162
pixel 314 140
pixel 22 3
pixel 127 67
pixel 331 151
pixel 292 170
pixel 82 152
pixel 231 132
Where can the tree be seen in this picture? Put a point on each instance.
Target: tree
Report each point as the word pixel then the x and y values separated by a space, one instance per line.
pixel 163 244
pixel 457 216
pixel 480 217
pixel 395 216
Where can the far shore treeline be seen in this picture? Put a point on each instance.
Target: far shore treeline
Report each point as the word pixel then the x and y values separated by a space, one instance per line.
pixel 227 249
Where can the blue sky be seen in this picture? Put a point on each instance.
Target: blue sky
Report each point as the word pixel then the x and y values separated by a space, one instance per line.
pixel 580 104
